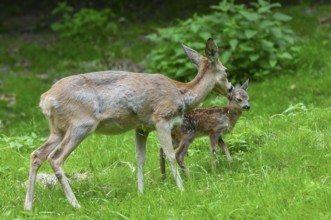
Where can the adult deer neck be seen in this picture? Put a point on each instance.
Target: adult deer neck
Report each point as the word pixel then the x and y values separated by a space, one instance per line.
pixel 196 91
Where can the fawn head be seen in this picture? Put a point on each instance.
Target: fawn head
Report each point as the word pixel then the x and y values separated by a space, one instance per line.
pixel 213 66
pixel 239 98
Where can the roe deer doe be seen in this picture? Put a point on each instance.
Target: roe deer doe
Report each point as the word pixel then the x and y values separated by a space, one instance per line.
pixel 113 102
pixel 212 121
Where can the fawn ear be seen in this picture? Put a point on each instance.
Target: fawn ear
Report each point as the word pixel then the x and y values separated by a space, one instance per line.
pixel 211 50
pixel 245 85
pixel 194 56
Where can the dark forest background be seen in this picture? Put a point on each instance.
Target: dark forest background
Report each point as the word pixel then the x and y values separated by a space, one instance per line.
pixel 37 13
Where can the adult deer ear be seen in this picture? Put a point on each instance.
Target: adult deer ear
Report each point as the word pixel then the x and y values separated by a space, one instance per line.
pixel 245 85
pixel 194 56
pixel 211 50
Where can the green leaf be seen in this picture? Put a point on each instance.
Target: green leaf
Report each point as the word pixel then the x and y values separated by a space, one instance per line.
pixel 288 39
pixel 264 9
pixel 267 45
pixel 254 57
pixel 222 6
pixel 272 62
pixel 275 5
pixel 195 28
pixel 233 44
pixel 246 47
pixel 225 56
pixel 281 17
pixel 277 32
pixel 295 48
pixel 204 35
pixel 266 24
pixel 288 31
pixel 251 16
pixel 250 33
pixel 286 55
pixel 180 72
pixel 197 45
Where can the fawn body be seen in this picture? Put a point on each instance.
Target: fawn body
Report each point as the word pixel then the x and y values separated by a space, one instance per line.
pixel 213 122
pixel 113 102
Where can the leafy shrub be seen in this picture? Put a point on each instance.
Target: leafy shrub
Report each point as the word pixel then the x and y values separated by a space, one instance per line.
pixel 87 25
pixel 21 143
pixel 293 110
pixel 253 41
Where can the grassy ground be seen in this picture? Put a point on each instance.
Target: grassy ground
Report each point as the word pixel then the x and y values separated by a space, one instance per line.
pixel 281 148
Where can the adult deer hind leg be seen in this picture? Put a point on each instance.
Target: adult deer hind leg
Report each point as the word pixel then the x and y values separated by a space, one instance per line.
pixel 38 157
pixel 140 141
pixel 73 136
pixel 163 129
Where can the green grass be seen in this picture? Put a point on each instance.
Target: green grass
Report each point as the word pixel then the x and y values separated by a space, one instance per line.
pixel 282 171
pixel 281 150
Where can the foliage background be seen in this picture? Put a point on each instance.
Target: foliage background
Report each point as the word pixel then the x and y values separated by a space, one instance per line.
pixel 253 39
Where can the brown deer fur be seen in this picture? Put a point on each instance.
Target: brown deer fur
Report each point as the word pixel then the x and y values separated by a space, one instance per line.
pixel 113 102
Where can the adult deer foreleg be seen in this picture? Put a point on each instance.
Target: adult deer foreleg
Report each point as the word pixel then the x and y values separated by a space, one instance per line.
pixel 163 129
pixel 162 158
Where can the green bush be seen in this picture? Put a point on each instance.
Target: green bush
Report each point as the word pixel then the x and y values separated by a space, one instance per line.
pixel 87 25
pixel 254 41
pixel 21 143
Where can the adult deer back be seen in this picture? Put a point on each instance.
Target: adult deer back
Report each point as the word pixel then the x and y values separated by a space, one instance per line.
pixel 113 101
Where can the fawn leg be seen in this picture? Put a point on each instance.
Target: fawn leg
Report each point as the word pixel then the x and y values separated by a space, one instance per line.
pixel 71 140
pixel 224 148
pixel 162 163
pixel 214 136
pixel 37 158
pixel 163 129
pixel 140 137
pixel 182 152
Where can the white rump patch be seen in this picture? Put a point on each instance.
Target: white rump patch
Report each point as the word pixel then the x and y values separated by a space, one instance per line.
pixel 47 104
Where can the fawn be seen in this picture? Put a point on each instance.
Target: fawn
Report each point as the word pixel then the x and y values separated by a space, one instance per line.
pixel 113 102
pixel 213 121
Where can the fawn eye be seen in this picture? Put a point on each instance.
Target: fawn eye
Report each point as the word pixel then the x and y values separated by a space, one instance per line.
pixel 239 100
